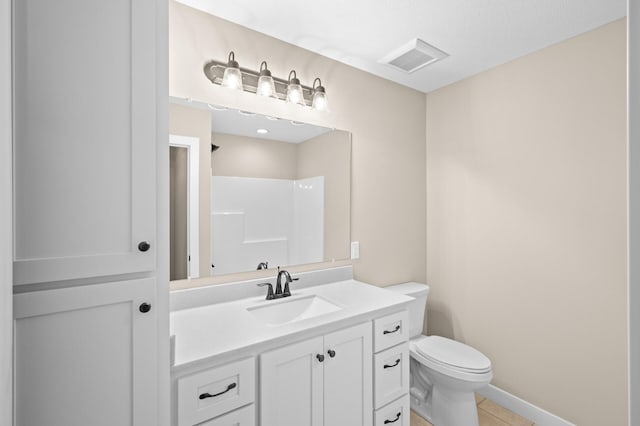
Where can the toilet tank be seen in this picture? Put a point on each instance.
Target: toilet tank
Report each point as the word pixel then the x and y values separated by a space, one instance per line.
pixel 418 307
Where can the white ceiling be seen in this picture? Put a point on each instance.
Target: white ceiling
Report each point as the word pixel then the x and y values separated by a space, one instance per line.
pixel 477 34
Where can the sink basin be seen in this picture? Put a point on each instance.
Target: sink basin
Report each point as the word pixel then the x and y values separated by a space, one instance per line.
pixel 289 310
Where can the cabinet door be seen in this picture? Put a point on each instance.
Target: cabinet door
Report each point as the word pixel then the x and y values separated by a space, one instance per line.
pixel 291 385
pixel 348 395
pixel 86 356
pixel 84 86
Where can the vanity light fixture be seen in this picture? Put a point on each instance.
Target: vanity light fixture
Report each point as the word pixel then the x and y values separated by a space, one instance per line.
pixel 266 85
pixel 263 83
pixel 232 77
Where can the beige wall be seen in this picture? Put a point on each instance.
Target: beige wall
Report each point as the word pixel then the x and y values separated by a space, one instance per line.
pixel 329 155
pixel 388 200
pixel 633 91
pixel 185 121
pixel 253 157
pixel 526 223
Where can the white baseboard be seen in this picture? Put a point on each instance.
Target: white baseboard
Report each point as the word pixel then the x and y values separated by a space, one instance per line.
pixel 519 406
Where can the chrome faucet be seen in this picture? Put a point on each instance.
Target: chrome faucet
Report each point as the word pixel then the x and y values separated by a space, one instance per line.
pixel 279 292
pixel 287 279
pixel 262 265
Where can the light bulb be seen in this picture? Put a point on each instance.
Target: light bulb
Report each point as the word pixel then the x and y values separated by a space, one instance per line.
pixel 294 90
pixel 232 77
pixel 319 101
pixel 266 85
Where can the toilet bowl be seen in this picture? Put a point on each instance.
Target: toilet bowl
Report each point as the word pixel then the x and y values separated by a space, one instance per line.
pixel 444 373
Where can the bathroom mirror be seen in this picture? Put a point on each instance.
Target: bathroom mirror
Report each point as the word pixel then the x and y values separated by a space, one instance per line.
pixel 251 192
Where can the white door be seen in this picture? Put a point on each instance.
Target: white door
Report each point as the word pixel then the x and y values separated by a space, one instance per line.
pixel 348 398
pixel 291 385
pixel 84 90
pixel 87 355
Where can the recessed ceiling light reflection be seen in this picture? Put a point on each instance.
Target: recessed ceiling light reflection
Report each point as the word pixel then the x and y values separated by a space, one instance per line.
pixel 262 131
pixel 216 107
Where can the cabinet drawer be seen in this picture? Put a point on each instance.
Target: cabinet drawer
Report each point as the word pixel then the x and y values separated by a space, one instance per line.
pixel 390 330
pixel 396 413
pixel 391 374
pixel 245 416
pixel 213 392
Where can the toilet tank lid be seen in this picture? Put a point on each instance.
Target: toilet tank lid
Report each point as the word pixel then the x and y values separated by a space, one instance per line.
pixel 412 289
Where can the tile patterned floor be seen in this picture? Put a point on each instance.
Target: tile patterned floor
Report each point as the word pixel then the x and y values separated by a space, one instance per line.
pixel 489 414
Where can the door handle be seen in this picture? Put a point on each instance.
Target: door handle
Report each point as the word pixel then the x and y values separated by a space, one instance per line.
pixel 392 331
pixel 391 366
pixel 393 421
pixel 208 395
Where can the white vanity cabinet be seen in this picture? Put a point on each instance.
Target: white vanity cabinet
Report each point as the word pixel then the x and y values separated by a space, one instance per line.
pixel 347 367
pixel 85 136
pixel 87 355
pixel 321 381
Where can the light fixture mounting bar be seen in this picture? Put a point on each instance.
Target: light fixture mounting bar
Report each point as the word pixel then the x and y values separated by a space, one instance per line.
pixel 214 70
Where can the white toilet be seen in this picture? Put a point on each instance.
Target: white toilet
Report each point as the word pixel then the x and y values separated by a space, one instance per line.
pixel 444 373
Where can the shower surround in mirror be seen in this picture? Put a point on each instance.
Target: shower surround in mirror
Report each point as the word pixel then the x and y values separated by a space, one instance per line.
pixel 272 221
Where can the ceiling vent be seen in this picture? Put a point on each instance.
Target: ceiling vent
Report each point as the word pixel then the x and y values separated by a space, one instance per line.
pixel 413 55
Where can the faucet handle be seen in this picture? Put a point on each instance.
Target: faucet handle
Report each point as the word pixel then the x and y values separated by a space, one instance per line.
pixel 286 291
pixel 270 295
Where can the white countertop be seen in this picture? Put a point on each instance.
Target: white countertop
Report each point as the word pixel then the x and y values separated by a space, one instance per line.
pixel 211 331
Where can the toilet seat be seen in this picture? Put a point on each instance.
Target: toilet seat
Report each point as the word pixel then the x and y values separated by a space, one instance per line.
pixel 450 357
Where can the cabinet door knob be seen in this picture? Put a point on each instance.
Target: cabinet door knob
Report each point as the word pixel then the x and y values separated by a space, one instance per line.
pixel 145 307
pixel 331 353
pixel 320 357
pixel 144 246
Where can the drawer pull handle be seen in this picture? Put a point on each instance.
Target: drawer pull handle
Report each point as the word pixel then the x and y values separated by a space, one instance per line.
pixel 392 331
pixel 391 366
pixel 208 395
pixel 395 420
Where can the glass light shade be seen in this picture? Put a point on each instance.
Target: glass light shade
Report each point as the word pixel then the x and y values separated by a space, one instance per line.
pixel 232 78
pixel 294 90
pixel 319 101
pixel 266 86
pixel 294 94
